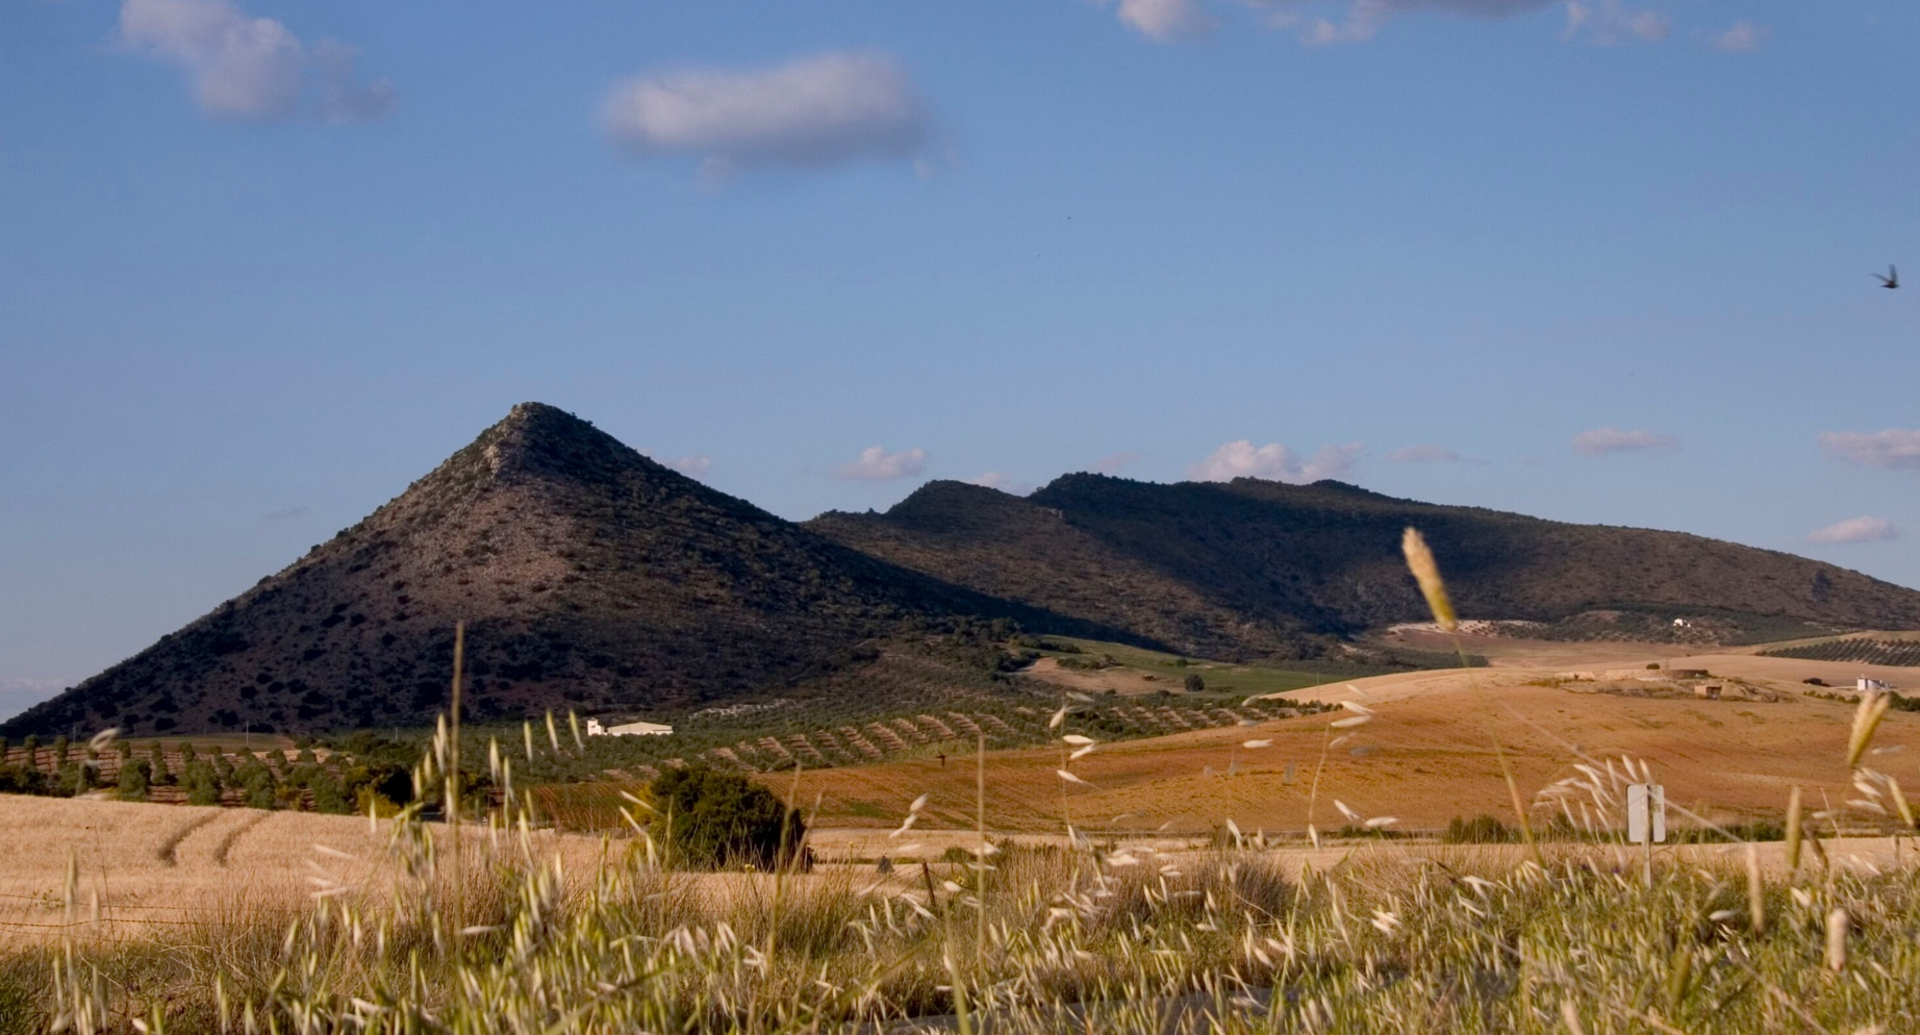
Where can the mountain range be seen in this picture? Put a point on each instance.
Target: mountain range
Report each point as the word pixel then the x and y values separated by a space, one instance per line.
pixel 591 577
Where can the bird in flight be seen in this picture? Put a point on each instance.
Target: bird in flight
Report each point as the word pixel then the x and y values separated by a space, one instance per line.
pixel 1891 280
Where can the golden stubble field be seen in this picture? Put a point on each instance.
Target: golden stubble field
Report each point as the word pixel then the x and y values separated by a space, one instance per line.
pixel 141 868
pixel 1427 756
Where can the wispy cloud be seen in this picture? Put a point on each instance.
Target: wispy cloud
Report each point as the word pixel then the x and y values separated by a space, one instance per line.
pixel 1325 22
pixel 1892 449
pixel 877 465
pixel 1114 463
pixel 1004 482
pixel 1274 462
pixel 1424 455
pixel 1607 22
pixel 1856 530
pixel 1166 20
pixel 819 111
pixel 17 694
pixel 249 68
pixel 1601 441
pixel 1741 38
pixel 286 514
pixel 691 466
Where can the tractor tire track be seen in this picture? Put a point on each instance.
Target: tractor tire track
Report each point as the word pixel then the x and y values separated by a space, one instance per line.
pixel 226 843
pixel 167 849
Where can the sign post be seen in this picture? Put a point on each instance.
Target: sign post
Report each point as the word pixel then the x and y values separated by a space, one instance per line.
pixel 1647 818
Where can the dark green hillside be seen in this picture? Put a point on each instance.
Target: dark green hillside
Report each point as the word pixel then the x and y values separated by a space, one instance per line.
pixel 589 577
pixel 1028 551
pixel 593 578
pixel 1242 566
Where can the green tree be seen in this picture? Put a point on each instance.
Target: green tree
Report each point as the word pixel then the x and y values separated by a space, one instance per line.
pixel 135 781
pixel 60 746
pixel 1194 683
pixel 202 783
pixel 328 794
pixel 258 783
pixel 713 819
pixel 157 759
pixel 73 779
pixel 22 779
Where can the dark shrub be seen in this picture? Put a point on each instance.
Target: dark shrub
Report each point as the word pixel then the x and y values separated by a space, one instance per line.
pixel 1480 830
pixel 1194 683
pixel 22 779
pixel 715 819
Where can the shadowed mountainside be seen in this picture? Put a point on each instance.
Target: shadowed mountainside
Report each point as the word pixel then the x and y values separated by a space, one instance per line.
pixel 589 576
pixel 1251 567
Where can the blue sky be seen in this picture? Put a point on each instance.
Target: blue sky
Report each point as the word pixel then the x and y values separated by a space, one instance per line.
pixel 263 263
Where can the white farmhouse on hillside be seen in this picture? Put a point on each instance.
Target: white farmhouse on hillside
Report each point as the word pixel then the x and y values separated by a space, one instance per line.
pixel 630 729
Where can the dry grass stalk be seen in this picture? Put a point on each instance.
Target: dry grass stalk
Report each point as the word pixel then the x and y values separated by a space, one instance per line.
pixel 1427 573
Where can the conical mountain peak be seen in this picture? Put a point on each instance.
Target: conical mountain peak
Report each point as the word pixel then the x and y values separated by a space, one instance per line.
pixel 539 440
pixel 587 575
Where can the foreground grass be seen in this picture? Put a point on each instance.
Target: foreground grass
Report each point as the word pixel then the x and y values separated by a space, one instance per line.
pixel 1122 941
pixel 498 938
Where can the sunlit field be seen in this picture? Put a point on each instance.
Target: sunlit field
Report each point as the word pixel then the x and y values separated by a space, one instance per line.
pixel 201 919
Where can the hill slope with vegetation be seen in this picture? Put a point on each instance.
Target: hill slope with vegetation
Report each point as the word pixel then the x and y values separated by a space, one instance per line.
pixel 588 576
pixel 592 578
pixel 1254 567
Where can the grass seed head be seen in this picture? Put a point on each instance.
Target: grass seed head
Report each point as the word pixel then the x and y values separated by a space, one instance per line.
pixel 1866 719
pixel 1426 572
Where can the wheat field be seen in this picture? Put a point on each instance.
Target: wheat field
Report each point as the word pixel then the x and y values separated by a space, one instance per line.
pixel 167 918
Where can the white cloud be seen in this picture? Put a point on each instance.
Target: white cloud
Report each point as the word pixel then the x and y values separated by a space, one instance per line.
pixel 1601 441
pixel 1004 482
pixel 691 466
pixel 250 68
pixel 1741 38
pixel 818 111
pixel 878 465
pixel 1322 22
pixel 1114 463
pixel 1610 22
pixel 1423 455
pixel 1362 20
pixel 1166 20
pixel 1357 21
pixel 1856 530
pixel 1893 449
pixel 1274 462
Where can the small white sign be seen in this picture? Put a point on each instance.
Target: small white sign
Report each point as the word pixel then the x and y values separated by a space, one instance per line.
pixel 1646 813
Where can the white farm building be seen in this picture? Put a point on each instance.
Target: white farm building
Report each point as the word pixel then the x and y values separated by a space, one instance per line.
pixel 629 729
